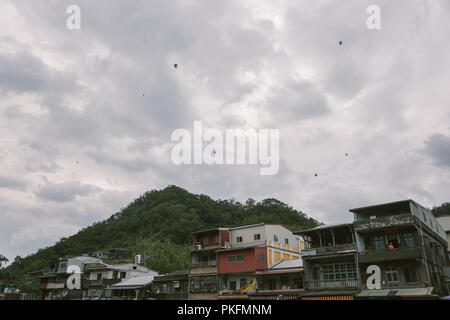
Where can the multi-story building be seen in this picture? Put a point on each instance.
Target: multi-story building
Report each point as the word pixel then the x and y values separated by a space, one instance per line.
pixel 330 262
pixel 53 281
pixel 203 264
pixel 102 276
pixel 404 240
pixel 444 221
pixel 252 248
pixel 282 281
pixel 171 286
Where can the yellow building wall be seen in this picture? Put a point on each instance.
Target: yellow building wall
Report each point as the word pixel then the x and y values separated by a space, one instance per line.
pixel 286 256
pixel 277 256
pixel 270 257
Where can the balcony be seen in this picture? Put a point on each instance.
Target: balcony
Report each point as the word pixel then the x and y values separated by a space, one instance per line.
pixel 102 282
pixel 339 248
pixel 391 254
pixel 210 263
pixel 406 219
pixel 331 284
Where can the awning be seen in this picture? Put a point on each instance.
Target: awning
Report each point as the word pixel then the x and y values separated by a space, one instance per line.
pixel 411 292
pixel 329 298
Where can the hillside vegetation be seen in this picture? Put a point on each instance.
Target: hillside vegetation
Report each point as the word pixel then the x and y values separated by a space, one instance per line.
pixel 160 224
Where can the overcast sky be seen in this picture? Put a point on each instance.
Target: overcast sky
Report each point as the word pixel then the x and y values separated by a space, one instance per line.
pixel 86 115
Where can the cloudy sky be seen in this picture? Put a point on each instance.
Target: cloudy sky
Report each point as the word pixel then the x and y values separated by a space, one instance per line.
pixel 86 115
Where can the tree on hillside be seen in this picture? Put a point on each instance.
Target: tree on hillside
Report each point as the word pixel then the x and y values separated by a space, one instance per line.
pixel 3 260
pixel 162 256
pixel 442 210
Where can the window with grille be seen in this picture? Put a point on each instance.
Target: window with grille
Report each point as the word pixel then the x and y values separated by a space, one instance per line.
pixel 378 243
pixel 408 239
pixel 391 274
pixel 410 275
pixel 236 258
pixel 339 271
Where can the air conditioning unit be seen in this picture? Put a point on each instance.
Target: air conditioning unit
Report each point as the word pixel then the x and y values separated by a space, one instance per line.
pixel 176 284
pixel 227 244
pixel 198 246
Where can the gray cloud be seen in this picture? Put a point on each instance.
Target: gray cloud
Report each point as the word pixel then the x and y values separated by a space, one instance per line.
pixel 12 183
pixel 66 191
pixel 438 147
pixel 86 116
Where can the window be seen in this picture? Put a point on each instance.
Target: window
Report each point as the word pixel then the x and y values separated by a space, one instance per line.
pixel 391 274
pixel 123 275
pixel 232 285
pixel 206 240
pixel 408 239
pixel 378 243
pixel 410 275
pixel 284 282
pixel 238 239
pixel 236 258
pixel 275 238
pixel 216 239
pixel 286 241
pixel 115 274
pixel 272 284
pixel 261 257
pixel 339 271
pixel 392 240
pixel 257 236
pixel 99 276
pixel 242 283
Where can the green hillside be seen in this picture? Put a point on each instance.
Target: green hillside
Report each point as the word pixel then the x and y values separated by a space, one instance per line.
pixel 159 224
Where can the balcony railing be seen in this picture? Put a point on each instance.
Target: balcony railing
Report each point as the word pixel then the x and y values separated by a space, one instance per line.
pixel 203 264
pixel 391 254
pixel 339 248
pixel 331 284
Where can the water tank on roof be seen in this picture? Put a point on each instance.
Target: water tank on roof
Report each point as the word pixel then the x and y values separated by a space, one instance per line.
pixel 138 259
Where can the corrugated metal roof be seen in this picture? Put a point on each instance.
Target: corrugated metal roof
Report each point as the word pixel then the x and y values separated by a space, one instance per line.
pixel 134 282
pixel 327 226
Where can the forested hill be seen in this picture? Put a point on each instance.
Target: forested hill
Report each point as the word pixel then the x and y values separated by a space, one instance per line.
pixel 163 218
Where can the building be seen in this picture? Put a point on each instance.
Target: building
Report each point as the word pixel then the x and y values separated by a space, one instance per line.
pixel 103 275
pixel 282 281
pixel 330 260
pixel 53 280
pixel 203 265
pixel 409 246
pixel 253 248
pixel 444 221
pixel 139 288
pixel 171 286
